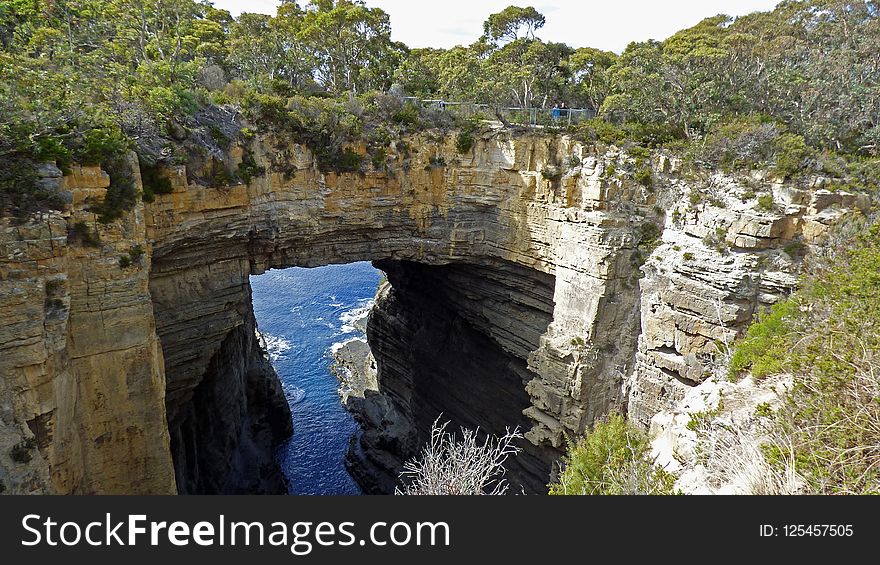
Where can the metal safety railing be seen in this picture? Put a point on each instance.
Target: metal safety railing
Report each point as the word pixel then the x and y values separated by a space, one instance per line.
pixel 535 117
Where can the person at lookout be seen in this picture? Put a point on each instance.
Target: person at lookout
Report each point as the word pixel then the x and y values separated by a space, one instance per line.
pixel 555 112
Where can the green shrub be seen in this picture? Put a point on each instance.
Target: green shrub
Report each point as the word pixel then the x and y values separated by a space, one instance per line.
pixel 321 124
pixel 154 182
pixel 792 154
pixel 101 145
pixel 763 410
pixel 866 171
pixel 551 173
pixel 738 143
pixel 136 253
pixel 766 202
pixel 762 350
pixel 827 337
pixel 83 234
pixel 21 452
pixel 121 194
pixel 134 256
pixel 614 458
pixel 248 169
pixel 52 148
pixel 464 141
pixel 649 236
pixel 598 130
pixel 639 152
pixel 408 115
pixel 216 174
pixel 653 134
pixel 437 162
pixel 221 139
pixel 349 161
pixel 380 155
pixel 797 249
pixel 717 241
pixel 701 419
pixel 645 177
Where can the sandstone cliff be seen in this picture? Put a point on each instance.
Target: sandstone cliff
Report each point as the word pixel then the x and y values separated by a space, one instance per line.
pixel 83 378
pixel 534 282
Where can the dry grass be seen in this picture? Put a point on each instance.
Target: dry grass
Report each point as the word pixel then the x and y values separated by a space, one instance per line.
pixel 734 460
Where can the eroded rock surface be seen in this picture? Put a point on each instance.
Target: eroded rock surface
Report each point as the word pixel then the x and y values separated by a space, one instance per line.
pixel 82 378
pixel 536 243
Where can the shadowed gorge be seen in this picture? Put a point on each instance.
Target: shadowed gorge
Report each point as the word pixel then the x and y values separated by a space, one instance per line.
pixel 453 341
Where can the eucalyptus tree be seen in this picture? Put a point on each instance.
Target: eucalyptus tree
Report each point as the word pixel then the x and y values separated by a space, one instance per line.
pixel 350 45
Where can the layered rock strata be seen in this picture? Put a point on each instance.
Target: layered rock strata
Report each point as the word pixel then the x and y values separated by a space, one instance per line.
pixel 86 385
pixel 82 377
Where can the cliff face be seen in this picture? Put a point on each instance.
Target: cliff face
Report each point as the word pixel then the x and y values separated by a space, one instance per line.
pixel 82 393
pixel 521 258
pixel 715 268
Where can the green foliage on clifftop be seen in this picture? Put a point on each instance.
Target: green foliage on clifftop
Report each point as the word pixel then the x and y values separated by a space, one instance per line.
pixel 793 89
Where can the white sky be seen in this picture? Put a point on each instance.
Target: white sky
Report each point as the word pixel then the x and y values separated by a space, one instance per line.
pixel 604 24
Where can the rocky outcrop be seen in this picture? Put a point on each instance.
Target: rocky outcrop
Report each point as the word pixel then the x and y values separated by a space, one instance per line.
pixel 82 393
pixel 529 248
pixel 722 258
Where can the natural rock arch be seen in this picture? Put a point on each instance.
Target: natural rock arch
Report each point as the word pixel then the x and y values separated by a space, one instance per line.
pixel 553 241
pixel 491 211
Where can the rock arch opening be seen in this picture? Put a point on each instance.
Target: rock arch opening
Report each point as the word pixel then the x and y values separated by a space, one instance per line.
pixel 535 271
pixel 150 377
pixel 305 318
pixel 451 339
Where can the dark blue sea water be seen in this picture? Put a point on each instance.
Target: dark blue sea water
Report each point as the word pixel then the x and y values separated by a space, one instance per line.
pixel 302 313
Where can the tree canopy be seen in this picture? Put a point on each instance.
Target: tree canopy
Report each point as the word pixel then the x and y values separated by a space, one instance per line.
pixel 82 77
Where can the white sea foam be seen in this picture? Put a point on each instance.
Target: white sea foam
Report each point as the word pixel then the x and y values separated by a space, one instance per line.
pixel 276 347
pixel 349 317
pixel 294 394
pixel 340 344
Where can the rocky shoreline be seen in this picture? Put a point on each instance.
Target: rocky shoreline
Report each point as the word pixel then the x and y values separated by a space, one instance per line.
pixel 354 365
pixel 375 470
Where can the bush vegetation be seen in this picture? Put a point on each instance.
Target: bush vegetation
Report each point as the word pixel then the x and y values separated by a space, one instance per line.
pixel 614 458
pixel 827 337
pixel 154 182
pixel 467 465
pixel 86 82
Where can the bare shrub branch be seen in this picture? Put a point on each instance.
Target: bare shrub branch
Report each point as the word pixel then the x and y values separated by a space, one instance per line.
pixel 465 466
